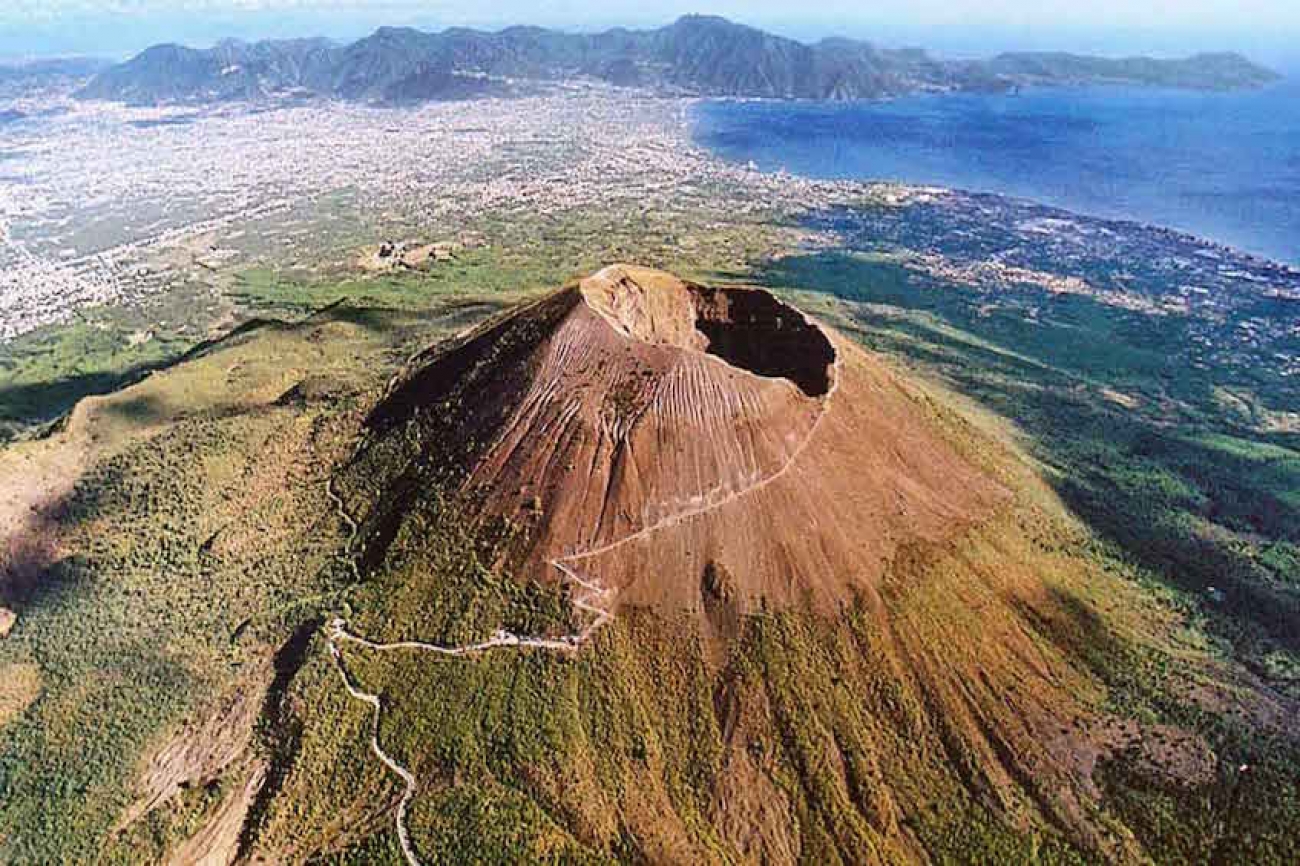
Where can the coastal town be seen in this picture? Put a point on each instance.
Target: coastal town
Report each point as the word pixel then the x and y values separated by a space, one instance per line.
pixel 1236 310
pixel 97 199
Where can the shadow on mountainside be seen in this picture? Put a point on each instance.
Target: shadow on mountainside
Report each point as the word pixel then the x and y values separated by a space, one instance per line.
pixel 32 404
pixel 26 407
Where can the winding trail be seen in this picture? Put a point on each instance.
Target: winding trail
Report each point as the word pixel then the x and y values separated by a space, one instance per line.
pixel 403 837
pixel 591 598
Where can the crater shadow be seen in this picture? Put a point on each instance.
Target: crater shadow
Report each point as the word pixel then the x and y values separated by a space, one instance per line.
pixel 752 330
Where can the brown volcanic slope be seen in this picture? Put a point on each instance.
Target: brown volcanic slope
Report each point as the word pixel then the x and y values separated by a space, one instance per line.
pixel 834 636
pixel 658 428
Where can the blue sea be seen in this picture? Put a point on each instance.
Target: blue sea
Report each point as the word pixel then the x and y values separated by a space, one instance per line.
pixel 1225 166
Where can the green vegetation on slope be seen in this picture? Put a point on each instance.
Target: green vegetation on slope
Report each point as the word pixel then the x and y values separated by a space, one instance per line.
pixel 623 752
pixel 193 540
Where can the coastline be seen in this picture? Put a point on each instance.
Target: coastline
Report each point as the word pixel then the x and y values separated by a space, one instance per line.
pixel 729 139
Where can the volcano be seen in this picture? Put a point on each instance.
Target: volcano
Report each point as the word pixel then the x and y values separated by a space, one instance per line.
pixel 680 444
pixel 751 596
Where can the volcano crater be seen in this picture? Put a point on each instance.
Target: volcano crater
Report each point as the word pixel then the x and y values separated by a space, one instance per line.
pixel 748 328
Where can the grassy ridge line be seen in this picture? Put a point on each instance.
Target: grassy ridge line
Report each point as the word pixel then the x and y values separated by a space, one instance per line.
pixel 138 523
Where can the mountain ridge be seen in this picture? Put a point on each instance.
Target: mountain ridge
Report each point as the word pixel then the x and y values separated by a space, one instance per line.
pixel 695 55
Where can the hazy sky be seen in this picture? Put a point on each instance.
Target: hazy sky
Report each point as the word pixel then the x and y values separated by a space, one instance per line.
pixel 1265 28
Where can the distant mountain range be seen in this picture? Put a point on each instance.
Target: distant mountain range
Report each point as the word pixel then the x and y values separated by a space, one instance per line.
pixel 697 55
pixel 17 78
pixel 57 67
